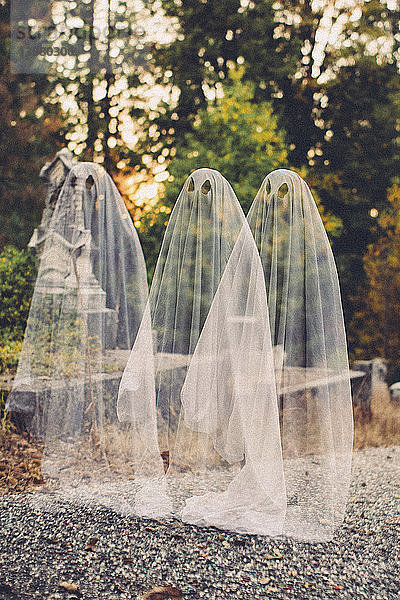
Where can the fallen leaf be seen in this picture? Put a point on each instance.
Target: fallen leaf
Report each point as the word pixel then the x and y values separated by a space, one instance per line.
pixel 292 572
pixel 91 545
pixel 276 556
pixel 264 580
pixel 165 592
pixel 70 587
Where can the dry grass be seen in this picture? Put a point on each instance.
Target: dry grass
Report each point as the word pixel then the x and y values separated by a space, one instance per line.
pixel 382 428
pixel 20 458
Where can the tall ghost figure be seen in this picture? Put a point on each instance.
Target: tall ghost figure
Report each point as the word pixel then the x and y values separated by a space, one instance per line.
pixel 195 390
pixel 88 302
pixel 311 365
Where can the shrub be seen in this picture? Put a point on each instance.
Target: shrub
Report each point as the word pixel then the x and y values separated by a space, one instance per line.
pixel 376 324
pixel 17 276
pixel 9 354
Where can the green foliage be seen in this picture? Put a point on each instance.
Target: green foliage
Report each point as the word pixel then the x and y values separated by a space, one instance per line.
pixel 358 160
pixel 92 124
pixel 376 323
pixel 152 229
pixel 28 137
pixel 234 135
pixel 213 34
pixel 17 274
pixel 349 88
pixel 342 125
pixel 237 136
pixel 9 355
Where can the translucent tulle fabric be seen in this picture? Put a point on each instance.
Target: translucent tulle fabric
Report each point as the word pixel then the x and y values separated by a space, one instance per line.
pixel 311 366
pixel 234 407
pixel 199 387
pixel 88 303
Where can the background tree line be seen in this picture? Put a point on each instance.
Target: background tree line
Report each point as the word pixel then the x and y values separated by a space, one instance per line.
pixel 243 86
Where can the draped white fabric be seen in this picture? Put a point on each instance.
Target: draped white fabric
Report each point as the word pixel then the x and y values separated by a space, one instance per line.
pixel 199 386
pixel 234 407
pixel 88 303
pixel 237 386
pixel 229 394
pixel 311 366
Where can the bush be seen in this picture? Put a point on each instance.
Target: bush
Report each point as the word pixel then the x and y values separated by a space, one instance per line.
pixel 234 135
pixel 9 354
pixel 375 328
pixel 17 276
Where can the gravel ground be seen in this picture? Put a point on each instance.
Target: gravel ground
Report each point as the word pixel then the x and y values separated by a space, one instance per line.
pixel 39 550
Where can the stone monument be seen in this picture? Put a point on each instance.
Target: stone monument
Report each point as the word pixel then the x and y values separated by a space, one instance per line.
pixel 375 373
pixel 78 290
pixel 53 174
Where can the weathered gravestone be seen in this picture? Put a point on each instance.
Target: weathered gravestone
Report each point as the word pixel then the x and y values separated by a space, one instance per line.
pixel 53 175
pixel 395 393
pixel 375 374
pixel 56 258
pixel 59 256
